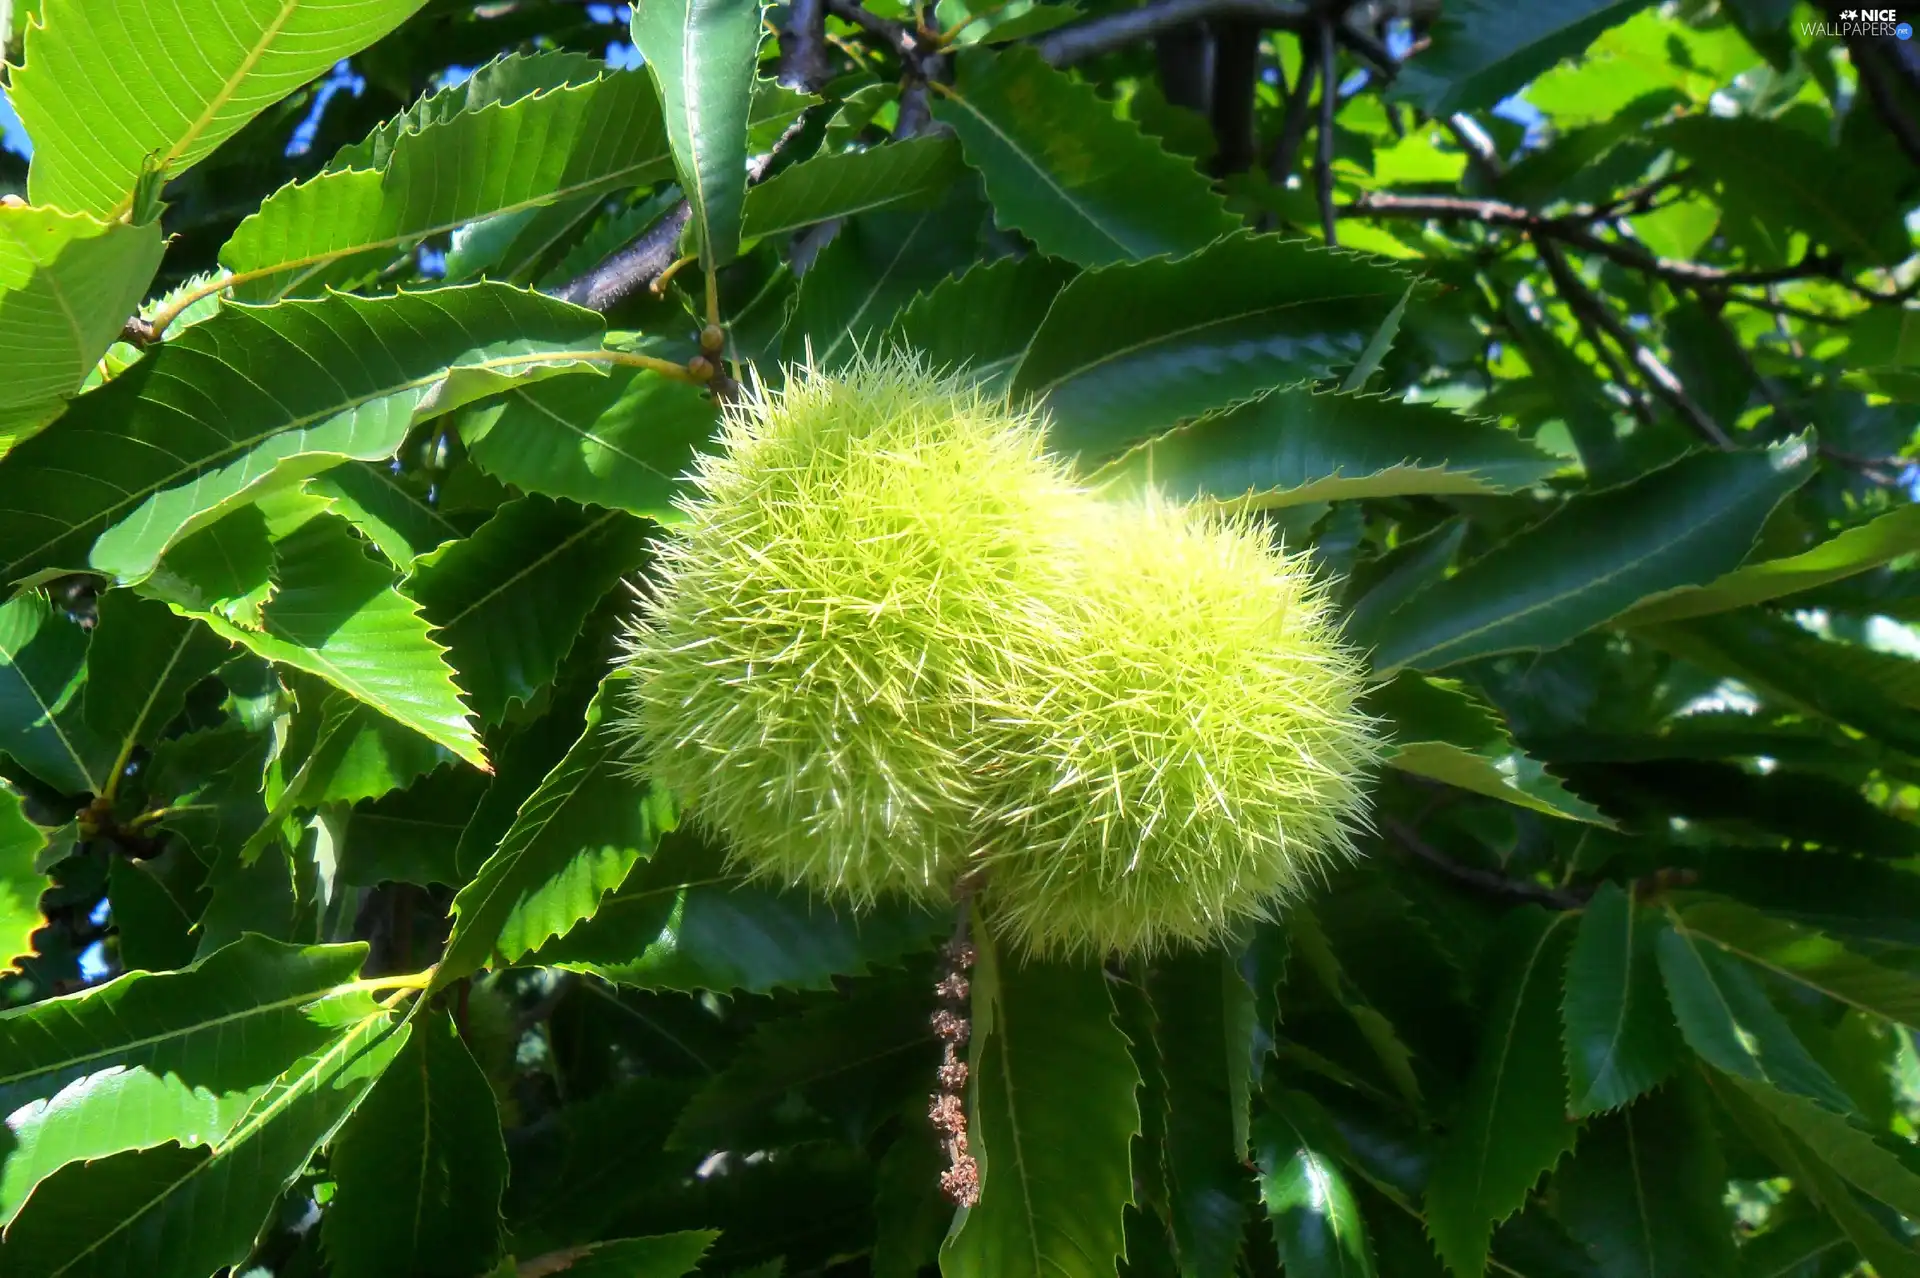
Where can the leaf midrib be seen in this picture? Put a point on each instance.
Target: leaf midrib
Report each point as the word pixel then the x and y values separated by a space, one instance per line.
pixel 1217 321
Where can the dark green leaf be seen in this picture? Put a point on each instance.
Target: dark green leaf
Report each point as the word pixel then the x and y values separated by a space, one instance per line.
pixel 1619 1031
pixel 873 268
pixel 509 601
pixel 142 660
pixel 1198 1001
pixel 192 432
pixel 912 171
pixel 574 840
pixel 1441 731
pixel 1132 349
pixel 1297 445
pixel 182 1212
pixel 419 1167
pixel 667 1256
pixel 983 321
pixel 1853 551
pixel 1062 170
pixel 700 55
pixel 1317 1224
pixel 42 688
pixel 622 441
pixel 1727 1019
pixel 1512 1125
pixel 1053 1117
pixel 1644 1190
pixel 681 922
pixel 1483 50
pixel 412 836
pixel 1807 958
pixel 1595 557
pixel 150 1058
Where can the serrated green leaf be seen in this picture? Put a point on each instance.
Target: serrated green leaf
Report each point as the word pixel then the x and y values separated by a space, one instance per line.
pixel 1061 169
pixel 1484 50
pixel 226 569
pixel 113 91
pixel 1892 1256
pixel 501 82
pixel 341 227
pixel 665 1256
pixel 1296 445
pixel 1851 1152
pixel 150 1058
pixel 1595 557
pixel 1644 1190
pixel 1875 692
pixel 509 601
pixel 388 510
pixel 413 835
pixel 155 905
pixel 142 659
pixel 211 781
pixel 1727 1019
pixel 911 171
pixel 337 615
pixel 21 883
pixel 1054 1115
pixel 984 320
pixel 681 921
pixel 573 841
pixel 419 1167
pixel 256 399
pixel 1804 1247
pixel 1309 950
pixel 1439 730
pixel 1619 1031
pixel 1807 958
pixel 875 266
pixel 700 55
pixel 177 1211
pixel 67 284
pixel 1130 350
pixel 1203 1040
pixel 1512 1124
pixel 1317 1224
pixel 623 441
pixel 1854 551
pixel 1769 170
pixel 845 1059
pixel 42 689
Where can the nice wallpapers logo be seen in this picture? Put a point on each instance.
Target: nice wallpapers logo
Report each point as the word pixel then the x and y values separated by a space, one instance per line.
pixel 1863 22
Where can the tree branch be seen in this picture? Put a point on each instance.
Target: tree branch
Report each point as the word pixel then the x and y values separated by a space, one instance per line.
pixel 1484 881
pixel 803 46
pixel 1293 126
pixel 1080 41
pixel 1323 157
pixel 1583 302
pixel 1236 69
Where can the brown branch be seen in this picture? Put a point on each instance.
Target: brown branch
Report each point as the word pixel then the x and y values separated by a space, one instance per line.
pixel 1236 69
pixel 1583 301
pixel 803 46
pixel 1486 882
pixel 1092 37
pixel 1293 126
pixel 1323 148
pixel 1878 82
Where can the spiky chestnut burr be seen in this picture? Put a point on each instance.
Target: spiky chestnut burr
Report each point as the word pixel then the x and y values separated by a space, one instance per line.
pixel 1198 755
pixel 864 553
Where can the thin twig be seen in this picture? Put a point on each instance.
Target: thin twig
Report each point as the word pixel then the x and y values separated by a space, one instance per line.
pixel 1080 41
pixel 1878 82
pixel 1323 158
pixel 1293 127
pixel 1484 881
pixel 1582 300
